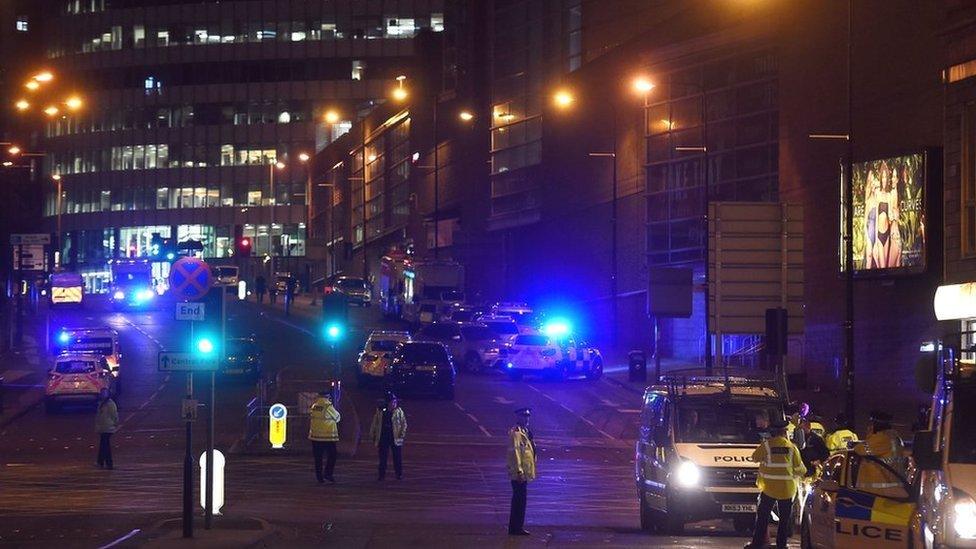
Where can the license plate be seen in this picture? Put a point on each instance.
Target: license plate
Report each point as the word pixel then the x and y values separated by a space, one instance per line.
pixel 425 368
pixel 738 507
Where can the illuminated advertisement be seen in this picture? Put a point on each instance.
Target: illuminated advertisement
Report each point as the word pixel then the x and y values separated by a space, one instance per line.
pixel 889 214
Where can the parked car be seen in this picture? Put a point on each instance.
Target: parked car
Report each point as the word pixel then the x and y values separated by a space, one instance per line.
pixel 78 378
pixel 472 344
pixel 374 359
pixel 423 367
pixel 243 357
pixel 356 290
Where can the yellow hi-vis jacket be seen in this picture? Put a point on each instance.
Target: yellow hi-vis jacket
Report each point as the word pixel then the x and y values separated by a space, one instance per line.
pixel 521 455
pixel 887 447
pixel 323 425
pixel 837 441
pixel 780 468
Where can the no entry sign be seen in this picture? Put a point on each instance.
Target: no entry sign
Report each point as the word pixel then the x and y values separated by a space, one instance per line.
pixel 190 278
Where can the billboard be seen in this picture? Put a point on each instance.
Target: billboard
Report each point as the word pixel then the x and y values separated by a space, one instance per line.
pixel 889 215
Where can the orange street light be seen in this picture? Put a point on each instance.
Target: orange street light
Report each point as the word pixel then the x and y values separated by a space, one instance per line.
pixel 56 177
pixel 465 116
pixel 563 99
pixel 331 116
pixel 22 105
pixel 44 76
pixel 280 165
pixel 73 103
pixel 14 150
pixel 7 164
pixel 32 85
pixel 400 93
pixel 303 157
pixel 51 110
pixel 643 85
pixel 371 157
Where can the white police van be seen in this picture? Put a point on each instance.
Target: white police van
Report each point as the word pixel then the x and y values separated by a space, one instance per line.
pixel 697 436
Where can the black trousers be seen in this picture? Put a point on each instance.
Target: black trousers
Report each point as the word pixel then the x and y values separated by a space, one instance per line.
pixel 784 509
pixel 318 450
pixel 516 519
pixel 385 447
pixel 105 450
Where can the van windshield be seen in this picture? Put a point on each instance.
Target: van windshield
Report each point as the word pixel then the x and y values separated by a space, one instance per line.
pixel 711 420
pixel 962 442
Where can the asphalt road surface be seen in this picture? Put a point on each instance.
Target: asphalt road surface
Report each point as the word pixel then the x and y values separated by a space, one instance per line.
pixel 455 491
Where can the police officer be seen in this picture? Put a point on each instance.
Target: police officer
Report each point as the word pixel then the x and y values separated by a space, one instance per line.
pixel 323 431
pixel 886 445
pixel 843 435
pixel 780 468
pixel 815 452
pixel 521 469
pixel 387 432
pixel 106 423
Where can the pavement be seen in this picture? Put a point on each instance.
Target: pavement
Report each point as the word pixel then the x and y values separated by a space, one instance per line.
pixel 455 491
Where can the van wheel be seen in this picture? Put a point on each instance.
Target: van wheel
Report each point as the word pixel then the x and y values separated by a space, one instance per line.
pixel 647 522
pixel 743 525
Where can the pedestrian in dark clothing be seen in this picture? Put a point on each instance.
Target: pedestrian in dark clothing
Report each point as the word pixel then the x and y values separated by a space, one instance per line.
pixel 106 423
pixel 289 294
pixel 260 286
pixel 387 432
pixel 815 452
pixel 273 294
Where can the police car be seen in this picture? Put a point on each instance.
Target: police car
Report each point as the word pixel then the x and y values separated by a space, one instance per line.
pixel 374 359
pixel 841 512
pixel 546 355
pixel 97 341
pixel 77 378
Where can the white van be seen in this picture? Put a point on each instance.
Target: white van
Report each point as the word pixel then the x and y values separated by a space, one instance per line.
pixel 945 454
pixel 697 436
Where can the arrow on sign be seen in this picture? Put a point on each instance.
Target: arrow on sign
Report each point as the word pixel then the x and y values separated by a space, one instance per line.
pixel 165 362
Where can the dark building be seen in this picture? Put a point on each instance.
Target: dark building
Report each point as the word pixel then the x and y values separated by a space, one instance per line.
pixel 197 116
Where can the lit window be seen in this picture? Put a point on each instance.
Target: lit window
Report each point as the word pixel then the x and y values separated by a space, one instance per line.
pixel 437 22
pixel 284 117
pixel 162 38
pixel 340 128
pixel 22 24
pixel 298 36
pixel 357 69
pixel 399 27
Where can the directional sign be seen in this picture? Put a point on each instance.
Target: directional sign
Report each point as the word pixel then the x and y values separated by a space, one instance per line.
pixel 190 311
pixel 29 257
pixel 277 425
pixel 30 238
pixel 186 362
pixel 190 278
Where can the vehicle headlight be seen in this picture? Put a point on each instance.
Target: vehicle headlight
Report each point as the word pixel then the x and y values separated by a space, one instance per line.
pixel 688 474
pixel 491 349
pixel 119 294
pixel 964 517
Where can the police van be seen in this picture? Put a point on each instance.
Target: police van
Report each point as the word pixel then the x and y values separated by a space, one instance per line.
pixel 697 435
pixel 945 454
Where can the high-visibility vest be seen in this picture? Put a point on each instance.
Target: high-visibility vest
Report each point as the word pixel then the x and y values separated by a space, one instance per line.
pixel 818 428
pixel 323 424
pixel 888 448
pixel 838 440
pixel 779 468
pixel 521 455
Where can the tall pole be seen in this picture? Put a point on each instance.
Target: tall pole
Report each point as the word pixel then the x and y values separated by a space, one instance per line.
pixel 613 234
pixel 188 465
pixel 57 237
pixel 849 222
pixel 437 197
pixel 308 199
pixel 271 189
pixel 706 192
pixel 365 234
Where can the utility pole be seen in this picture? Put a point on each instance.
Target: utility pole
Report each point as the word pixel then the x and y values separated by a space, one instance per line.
pixel 849 222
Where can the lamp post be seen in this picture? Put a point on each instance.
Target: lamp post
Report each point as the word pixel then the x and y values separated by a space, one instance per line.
pixel 272 201
pixel 304 159
pixel 57 234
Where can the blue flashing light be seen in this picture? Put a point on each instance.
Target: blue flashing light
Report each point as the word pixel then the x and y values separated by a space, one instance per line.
pixel 509 365
pixel 333 332
pixel 205 346
pixel 144 295
pixel 118 295
pixel 170 256
pixel 409 274
pixel 64 337
pixel 557 328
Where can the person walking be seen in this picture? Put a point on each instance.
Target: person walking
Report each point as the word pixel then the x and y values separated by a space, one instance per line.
pixel 521 469
pixel 273 293
pixel 387 432
pixel 260 287
pixel 323 431
pixel 290 287
pixel 780 468
pixel 106 423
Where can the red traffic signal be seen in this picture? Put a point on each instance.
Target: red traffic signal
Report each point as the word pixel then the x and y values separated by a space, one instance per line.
pixel 244 247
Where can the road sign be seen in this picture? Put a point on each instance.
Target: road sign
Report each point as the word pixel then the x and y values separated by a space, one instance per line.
pixel 756 263
pixel 190 278
pixel 277 425
pixel 30 238
pixel 29 257
pixel 186 362
pixel 190 311
pixel 189 409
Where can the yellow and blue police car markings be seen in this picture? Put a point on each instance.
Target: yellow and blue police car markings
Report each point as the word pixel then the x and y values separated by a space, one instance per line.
pixel 852 504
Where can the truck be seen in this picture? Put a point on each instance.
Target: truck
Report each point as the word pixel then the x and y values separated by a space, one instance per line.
pixel 132 284
pixel 420 291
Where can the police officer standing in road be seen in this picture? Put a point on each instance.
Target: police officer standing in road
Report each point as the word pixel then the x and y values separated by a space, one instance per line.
pixel 387 431
pixel 521 469
pixel 106 423
pixel 780 468
pixel 323 431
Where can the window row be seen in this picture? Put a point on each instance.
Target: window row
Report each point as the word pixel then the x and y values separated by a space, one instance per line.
pixel 162 155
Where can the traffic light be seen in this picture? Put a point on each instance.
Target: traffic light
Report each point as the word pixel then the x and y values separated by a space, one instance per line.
pixel 334 332
pixel 244 247
pixel 204 345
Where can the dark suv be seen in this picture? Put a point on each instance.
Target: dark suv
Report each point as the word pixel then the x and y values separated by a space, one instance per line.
pixel 422 367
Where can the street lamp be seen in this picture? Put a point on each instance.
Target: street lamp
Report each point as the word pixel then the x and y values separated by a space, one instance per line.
pixel 32 85
pixel 51 110
pixel 14 150
pixel 563 99
pixel 277 165
pixel 465 116
pixel 22 105
pixel 304 158
pixel 44 76
pixel 73 103
pixel 400 93
pixel 331 116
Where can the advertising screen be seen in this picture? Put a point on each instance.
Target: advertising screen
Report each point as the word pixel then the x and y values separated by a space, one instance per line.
pixel 889 214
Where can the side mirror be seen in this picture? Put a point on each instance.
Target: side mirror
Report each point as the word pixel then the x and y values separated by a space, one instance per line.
pixel 829 485
pixel 923 451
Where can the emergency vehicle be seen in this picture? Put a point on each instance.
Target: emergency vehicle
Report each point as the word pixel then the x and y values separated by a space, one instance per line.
pixel 67 289
pixel 420 292
pixel 841 512
pixel 78 378
pixel 374 359
pixel 545 355
pixel 945 454
pixel 132 283
pixel 94 341
pixel 694 448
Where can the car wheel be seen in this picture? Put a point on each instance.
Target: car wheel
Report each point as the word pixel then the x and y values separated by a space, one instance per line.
pixel 596 371
pixel 743 525
pixel 51 407
pixel 472 363
pixel 514 376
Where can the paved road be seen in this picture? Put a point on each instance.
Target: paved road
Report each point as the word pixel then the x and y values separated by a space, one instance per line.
pixel 455 491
